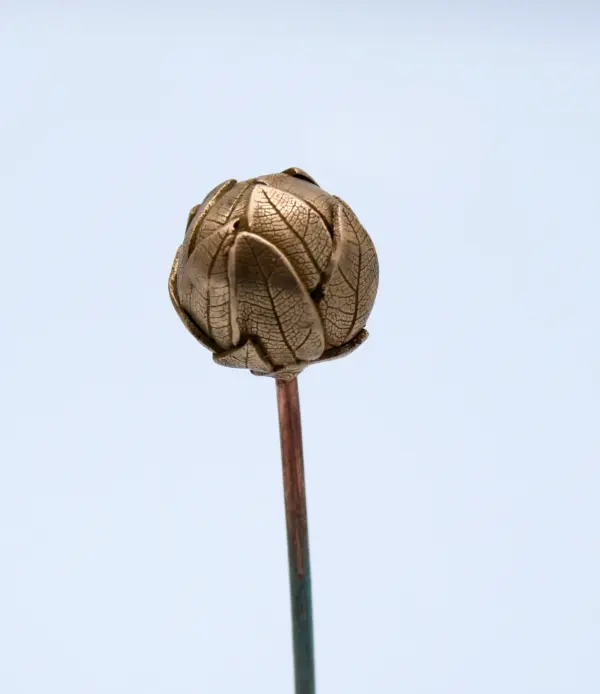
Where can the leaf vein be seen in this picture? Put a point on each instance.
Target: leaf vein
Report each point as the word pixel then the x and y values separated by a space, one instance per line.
pixel 209 274
pixel 296 234
pixel 275 314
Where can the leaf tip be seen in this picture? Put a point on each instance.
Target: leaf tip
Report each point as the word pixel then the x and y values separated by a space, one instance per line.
pixel 296 172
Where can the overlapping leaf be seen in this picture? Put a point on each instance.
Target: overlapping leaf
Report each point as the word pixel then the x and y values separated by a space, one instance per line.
pixel 350 292
pixel 232 205
pixel 197 215
pixel 247 356
pixel 318 199
pixel 183 315
pixel 295 228
pixel 204 289
pixel 300 173
pixel 271 303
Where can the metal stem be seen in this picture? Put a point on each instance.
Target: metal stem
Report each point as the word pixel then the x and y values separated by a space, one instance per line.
pixel 290 430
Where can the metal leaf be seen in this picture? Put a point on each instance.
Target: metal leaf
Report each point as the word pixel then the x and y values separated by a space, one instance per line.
pixel 294 228
pixel 346 348
pixel 271 303
pixel 316 197
pixel 349 294
pixel 197 215
pixel 185 319
pixel 300 173
pixel 247 356
pixel 204 290
pixel 232 205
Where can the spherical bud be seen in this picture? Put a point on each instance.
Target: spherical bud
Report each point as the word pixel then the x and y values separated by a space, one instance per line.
pixel 275 274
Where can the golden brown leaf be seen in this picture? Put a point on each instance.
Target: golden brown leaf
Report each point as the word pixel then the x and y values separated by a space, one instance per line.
pixel 294 228
pixel 345 349
pixel 203 287
pixel 232 205
pixel 197 215
pixel 271 303
pixel 185 319
pixel 316 197
pixel 247 356
pixel 350 292
pixel 300 173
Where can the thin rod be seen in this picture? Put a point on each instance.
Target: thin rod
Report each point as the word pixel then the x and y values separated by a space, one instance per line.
pixel 290 430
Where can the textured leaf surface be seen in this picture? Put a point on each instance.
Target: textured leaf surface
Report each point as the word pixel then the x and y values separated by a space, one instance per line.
pixel 247 356
pixel 185 319
pixel 349 295
pixel 272 304
pixel 231 205
pixel 204 287
pixel 294 228
pixel 345 349
pixel 300 173
pixel 317 198
pixel 197 215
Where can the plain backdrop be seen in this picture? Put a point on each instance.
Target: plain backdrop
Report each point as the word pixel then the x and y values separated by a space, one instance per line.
pixel 452 462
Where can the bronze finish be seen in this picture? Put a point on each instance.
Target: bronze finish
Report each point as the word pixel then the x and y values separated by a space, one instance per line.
pixel 288 405
pixel 275 274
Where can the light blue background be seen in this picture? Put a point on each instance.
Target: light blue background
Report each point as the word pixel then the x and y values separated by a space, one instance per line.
pixel 452 462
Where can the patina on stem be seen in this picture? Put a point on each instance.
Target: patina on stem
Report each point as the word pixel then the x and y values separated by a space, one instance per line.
pixel 290 429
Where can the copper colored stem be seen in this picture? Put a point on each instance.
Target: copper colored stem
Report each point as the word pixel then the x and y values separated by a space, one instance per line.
pixel 290 429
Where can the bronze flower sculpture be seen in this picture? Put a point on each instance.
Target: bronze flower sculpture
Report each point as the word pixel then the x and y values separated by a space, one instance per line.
pixel 275 274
